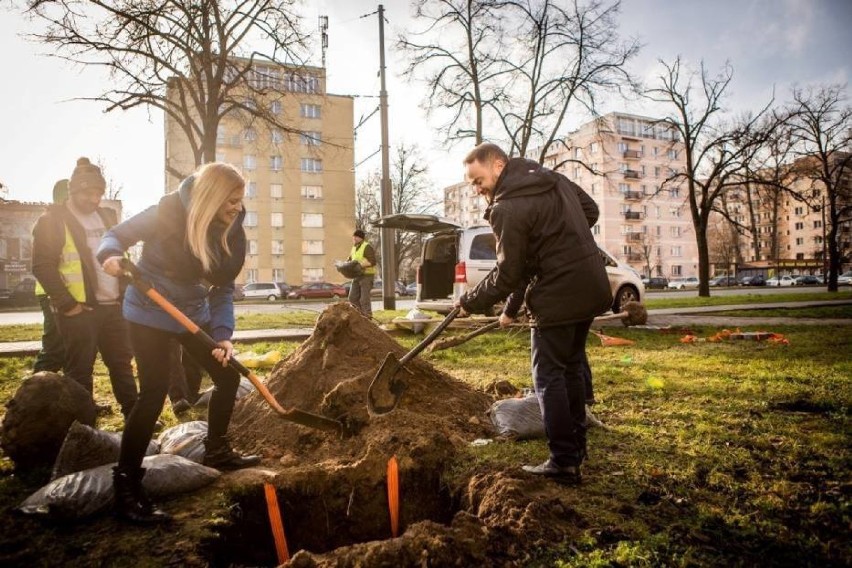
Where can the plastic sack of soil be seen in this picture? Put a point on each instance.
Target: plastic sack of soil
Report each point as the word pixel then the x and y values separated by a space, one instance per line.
pixel 86 447
pixel 349 268
pixel 518 418
pixel 244 388
pixel 185 440
pixel 85 493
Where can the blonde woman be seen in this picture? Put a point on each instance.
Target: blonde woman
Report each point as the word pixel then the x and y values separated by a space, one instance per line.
pixel 194 249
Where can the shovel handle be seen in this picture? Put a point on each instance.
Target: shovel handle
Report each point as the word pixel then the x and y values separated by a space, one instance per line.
pixel 431 337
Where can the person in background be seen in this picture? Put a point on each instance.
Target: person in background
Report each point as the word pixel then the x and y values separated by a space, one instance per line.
pixel 359 293
pixel 545 251
pixel 51 357
pixel 194 248
pixel 86 301
pixel 185 381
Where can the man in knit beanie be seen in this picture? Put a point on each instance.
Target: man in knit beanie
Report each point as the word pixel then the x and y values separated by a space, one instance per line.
pixel 85 300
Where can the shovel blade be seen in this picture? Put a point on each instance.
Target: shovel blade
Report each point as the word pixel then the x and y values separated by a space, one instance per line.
pixel 386 388
pixel 312 420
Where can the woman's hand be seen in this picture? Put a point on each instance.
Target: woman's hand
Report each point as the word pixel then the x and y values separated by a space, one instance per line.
pixel 112 266
pixel 224 352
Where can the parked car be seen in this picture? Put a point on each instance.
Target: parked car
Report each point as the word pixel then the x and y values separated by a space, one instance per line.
pixel 808 280
pixel 845 279
pixel 655 283
pixel 454 259
pixel 399 289
pixel 411 289
pixel 271 291
pixel 682 283
pixel 23 294
pixel 723 281
pixel 785 280
pixel 756 280
pixel 313 290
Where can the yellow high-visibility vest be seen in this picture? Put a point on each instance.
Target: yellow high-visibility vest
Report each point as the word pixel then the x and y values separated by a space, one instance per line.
pixel 358 254
pixel 71 270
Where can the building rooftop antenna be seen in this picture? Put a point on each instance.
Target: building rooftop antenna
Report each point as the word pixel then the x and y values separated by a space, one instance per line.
pixel 323 26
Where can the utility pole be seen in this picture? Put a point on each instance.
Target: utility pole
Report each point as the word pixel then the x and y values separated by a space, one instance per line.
pixel 388 252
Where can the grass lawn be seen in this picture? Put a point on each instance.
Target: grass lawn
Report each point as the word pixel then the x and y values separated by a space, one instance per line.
pixel 717 454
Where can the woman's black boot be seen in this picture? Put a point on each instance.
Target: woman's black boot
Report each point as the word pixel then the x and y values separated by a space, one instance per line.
pixel 131 503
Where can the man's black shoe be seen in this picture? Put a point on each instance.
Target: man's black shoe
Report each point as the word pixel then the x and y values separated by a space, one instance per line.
pixel 224 457
pixel 569 475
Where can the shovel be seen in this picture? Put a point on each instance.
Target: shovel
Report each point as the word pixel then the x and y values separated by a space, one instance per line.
pixel 293 415
pixel 386 388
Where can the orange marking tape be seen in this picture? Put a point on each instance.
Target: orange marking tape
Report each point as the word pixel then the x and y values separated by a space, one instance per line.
pixel 276 523
pixel 393 495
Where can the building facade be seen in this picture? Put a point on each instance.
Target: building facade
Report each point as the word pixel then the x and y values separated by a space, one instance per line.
pixel 300 195
pixel 621 161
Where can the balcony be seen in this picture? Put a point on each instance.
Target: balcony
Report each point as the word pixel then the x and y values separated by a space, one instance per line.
pixel 632 154
pixel 633 195
pixel 631 174
pixel 633 237
pixel 634 257
pixel 633 215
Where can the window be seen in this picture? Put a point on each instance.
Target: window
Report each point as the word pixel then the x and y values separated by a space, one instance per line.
pixel 251 219
pixel 277 274
pixel 623 187
pixel 250 135
pixel 310 138
pixel 301 83
pixel 251 190
pixel 593 148
pixel 656 152
pixel 252 246
pixel 676 251
pixel 220 135
pixel 275 107
pixel 276 219
pixel 672 154
pixel 622 147
pixel 593 188
pixel 251 275
pixel 312 247
pixel 817 224
pixel 276 191
pixel 659 252
pixel 309 111
pixel 312 191
pixel 576 172
pixel 312 220
pixel 249 162
pixel 596 230
pixel 659 231
pixel 277 137
pixel 799 211
pixel 800 241
pixel 675 193
pixel 657 212
pixel 275 163
pixel 313 274
pixel 800 226
pixel 676 270
pixel 312 165
pixel 277 248
pixel 483 247
pixel 674 212
pixel 675 231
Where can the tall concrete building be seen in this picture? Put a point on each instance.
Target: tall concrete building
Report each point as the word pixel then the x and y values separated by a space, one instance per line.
pixel 300 197
pixel 621 161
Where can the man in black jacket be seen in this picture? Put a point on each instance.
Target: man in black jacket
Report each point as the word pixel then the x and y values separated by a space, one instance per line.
pixel 86 300
pixel 548 260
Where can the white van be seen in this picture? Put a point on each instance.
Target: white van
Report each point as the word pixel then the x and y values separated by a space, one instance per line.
pixel 453 258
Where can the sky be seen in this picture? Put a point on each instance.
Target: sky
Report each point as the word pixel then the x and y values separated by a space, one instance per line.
pixel 771 44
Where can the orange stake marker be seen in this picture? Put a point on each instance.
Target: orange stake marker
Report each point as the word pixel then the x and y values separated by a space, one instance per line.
pixel 393 495
pixel 276 523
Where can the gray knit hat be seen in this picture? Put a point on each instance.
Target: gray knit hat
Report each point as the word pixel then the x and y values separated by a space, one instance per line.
pixel 86 176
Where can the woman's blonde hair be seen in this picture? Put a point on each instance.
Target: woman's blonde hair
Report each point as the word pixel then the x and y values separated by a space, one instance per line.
pixel 213 185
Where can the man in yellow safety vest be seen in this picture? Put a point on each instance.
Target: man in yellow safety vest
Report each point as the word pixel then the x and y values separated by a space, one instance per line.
pixel 85 300
pixel 365 255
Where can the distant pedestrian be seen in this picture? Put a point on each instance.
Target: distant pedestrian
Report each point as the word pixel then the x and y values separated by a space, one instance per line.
pixel 51 357
pixel 545 251
pixel 359 293
pixel 86 300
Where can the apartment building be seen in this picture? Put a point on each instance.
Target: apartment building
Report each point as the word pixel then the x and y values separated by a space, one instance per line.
pixel 791 232
pixel 621 161
pixel 300 197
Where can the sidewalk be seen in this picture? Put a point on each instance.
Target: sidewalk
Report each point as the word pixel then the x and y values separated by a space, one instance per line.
pixel 661 317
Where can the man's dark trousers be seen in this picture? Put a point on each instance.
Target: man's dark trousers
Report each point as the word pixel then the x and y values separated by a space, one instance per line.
pixel 557 367
pixel 100 329
pixel 52 354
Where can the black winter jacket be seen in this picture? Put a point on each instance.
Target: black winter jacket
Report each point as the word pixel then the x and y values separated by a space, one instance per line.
pixel 48 242
pixel 544 245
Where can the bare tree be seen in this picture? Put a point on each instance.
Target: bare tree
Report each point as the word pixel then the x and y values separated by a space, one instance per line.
pixel 821 124
pixel 191 59
pixel 456 55
pixel 518 64
pixel 714 152
pixel 724 239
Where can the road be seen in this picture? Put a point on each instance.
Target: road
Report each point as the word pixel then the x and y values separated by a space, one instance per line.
pixel 31 317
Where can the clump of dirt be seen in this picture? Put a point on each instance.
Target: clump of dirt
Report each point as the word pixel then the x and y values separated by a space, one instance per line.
pixel 332 489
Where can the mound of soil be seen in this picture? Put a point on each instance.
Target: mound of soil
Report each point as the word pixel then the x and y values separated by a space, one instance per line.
pixel 332 488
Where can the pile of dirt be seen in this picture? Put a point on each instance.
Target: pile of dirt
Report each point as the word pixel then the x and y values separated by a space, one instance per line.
pixel 332 489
